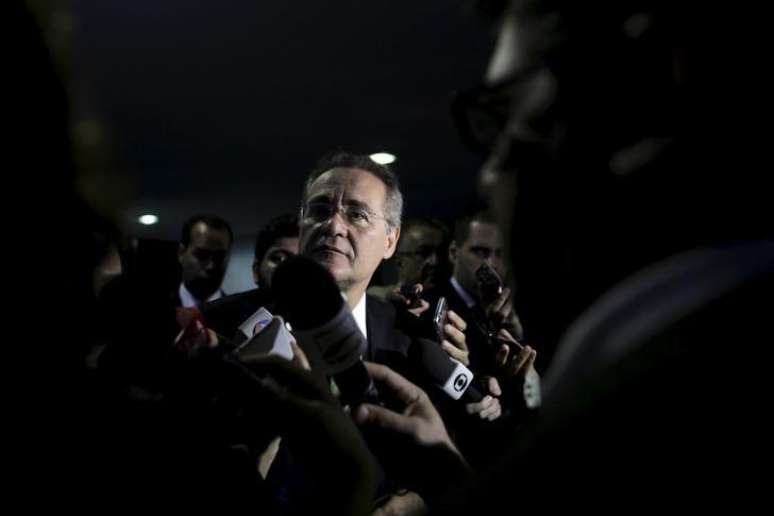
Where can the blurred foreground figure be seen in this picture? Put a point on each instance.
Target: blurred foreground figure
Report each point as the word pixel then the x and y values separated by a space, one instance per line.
pixel 625 159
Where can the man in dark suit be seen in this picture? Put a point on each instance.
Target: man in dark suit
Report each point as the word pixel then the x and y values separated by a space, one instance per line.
pixel 350 222
pixel 492 330
pixel 152 289
pixel 420 258
pixel 203 254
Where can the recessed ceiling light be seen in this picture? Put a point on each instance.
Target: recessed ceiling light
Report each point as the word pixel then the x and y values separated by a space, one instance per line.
pixel 383 158
pixel 148 220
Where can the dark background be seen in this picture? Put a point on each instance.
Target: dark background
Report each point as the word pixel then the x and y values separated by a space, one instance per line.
pixel 224 106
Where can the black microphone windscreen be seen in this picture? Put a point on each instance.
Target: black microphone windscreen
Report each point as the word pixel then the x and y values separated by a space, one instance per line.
pixel 435 362
pixel 451 376
pixel 305 293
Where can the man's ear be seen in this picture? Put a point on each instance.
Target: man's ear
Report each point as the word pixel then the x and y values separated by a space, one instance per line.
pixel 256 271
pixel 392 242
pixel 453 252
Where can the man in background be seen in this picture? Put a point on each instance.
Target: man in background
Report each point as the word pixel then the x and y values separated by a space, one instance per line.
pixel 203 254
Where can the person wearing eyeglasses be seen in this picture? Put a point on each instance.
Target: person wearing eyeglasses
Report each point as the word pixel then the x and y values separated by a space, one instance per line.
pixel 493 347
pixel 419 261
pixel 421 250
pixel 483 301
pixel 350 221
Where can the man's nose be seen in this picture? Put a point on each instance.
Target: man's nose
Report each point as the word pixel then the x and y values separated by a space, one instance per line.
pixel 336 225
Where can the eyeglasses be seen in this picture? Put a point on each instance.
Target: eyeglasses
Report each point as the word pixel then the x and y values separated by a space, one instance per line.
pixel 483 120
pixel 422 252
pixel 482 114
pixel 356 216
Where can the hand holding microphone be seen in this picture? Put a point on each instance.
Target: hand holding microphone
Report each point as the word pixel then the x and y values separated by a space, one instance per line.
pixel 457 381
pixel 418 418
pixel 454 341
pixel 497 302
pixel 424 453
pixel 517 366
pixel 410 298
pixel 194 335
pixel 307 296
pixel 317 431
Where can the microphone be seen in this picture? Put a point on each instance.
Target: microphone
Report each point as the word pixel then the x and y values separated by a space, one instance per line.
pixel 489 282
pixel 451 376
pixel 306 295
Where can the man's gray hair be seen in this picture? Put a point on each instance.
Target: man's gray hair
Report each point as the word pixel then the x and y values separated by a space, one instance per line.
pixel 393 203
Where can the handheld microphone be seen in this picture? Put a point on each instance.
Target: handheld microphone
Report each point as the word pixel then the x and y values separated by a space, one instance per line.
pixel 451 376
pixel 307 296
pixel 489 282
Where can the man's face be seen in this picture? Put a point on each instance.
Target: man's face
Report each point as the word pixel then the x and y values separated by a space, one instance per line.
pixel 517 56
pixel 334 232
pixel 418 251
pixel 280 250
pixel 484 245
pixel 204 260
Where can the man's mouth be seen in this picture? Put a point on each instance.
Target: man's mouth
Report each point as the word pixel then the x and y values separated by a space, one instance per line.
pixel 321 249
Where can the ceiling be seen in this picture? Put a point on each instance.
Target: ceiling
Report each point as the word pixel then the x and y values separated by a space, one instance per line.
pixel 224 107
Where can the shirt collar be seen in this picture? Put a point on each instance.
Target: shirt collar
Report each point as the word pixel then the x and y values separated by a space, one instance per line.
pixel 466 297
pixel 359 313
pixel 188 300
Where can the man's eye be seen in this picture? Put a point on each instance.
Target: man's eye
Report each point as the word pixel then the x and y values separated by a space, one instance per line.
pixel 278 257
pixel 424 251
pixel 320 211
pixel 358 215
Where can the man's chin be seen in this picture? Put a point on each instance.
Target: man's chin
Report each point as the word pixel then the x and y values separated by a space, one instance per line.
pixel 339 271
pixel 203 291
